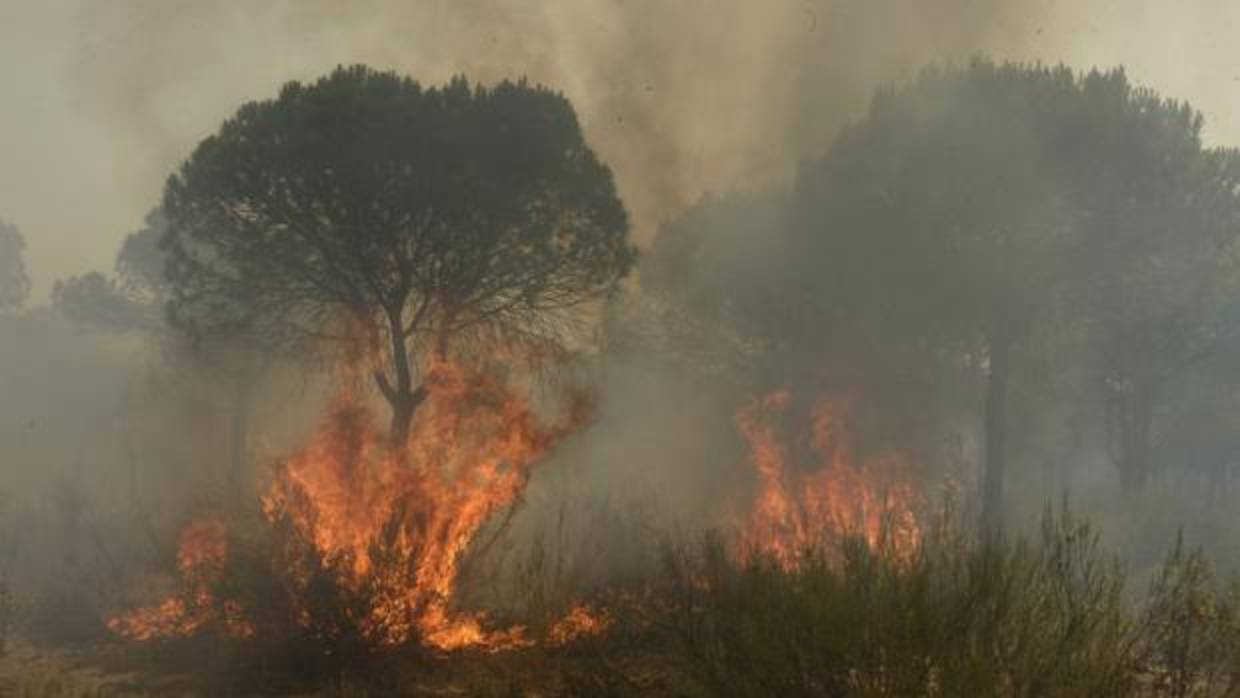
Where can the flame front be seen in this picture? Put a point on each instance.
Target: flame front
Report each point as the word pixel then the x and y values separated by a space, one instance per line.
pixel 399 521
pixel 389 525
pixel 840 498
pixel 201 555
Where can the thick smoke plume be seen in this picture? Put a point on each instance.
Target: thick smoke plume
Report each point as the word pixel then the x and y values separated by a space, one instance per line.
pixel 679 97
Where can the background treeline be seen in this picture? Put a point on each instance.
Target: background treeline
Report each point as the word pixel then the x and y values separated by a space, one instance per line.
pixel 1019 269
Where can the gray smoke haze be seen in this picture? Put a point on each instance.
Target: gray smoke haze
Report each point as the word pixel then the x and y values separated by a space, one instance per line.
pixel 122 439
pixel 103 99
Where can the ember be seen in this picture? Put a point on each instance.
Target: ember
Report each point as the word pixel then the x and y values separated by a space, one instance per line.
pixel 580 622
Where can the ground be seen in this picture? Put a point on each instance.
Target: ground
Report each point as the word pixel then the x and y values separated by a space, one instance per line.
pixel 117 671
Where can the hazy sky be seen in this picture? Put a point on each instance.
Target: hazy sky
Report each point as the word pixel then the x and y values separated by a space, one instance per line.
pixel 103 97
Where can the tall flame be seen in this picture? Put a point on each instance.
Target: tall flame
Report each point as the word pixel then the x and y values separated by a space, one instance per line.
pixel 469 455
pixel 391 524
pixel 841 497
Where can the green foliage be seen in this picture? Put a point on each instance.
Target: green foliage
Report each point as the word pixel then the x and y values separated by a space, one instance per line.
pixel 1191 629
pixel 961 618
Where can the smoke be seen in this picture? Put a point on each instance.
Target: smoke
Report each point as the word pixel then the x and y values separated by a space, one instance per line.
pixel 681 98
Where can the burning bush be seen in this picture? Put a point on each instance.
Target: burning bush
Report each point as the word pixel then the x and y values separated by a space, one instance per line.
pixel 362 541
pixel 828 494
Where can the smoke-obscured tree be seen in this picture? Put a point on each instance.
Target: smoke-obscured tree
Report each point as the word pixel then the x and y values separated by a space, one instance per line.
pixel 14 284
pixel 133 301
pixel 941 222
pixel 427 219
pixel 739 292
pixel 712 291
pixel 977 208
pixel 1192 431
pixel 1051 238
pixel 1162 225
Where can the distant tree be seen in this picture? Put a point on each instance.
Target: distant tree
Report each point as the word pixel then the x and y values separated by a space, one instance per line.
pixel 1164 296
pixel 938 224
pixel 133 300
pixel 731 288
pixel 977 207
pixel 426 219
pixel 14 284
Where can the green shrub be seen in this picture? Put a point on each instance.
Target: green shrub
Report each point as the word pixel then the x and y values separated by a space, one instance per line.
pixel 1190 629
pixel 957 618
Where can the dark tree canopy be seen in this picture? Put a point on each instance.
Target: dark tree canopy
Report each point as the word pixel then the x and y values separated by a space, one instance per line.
pixel 14 284
pixel 979 207
pixel 989 224
pixel 424 216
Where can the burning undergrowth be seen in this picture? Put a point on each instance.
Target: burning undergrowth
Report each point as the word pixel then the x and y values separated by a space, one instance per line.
pixel 814 490
pixel 359 545
pixel 361 541
pixel 202 558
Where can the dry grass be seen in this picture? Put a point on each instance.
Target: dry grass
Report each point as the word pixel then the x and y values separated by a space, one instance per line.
pixel 27 672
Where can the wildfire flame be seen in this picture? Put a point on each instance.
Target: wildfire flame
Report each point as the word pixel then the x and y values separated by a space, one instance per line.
pixel 468 456
pixel 841 498
pixel 392 524
pixel 580 622
pixel 201 553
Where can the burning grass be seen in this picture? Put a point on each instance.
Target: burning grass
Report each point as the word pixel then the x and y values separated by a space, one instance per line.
pixel 832 497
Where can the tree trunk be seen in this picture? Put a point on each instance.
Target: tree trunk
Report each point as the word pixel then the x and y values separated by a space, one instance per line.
pixel 402 396
pixel 995 434
pixel 404 405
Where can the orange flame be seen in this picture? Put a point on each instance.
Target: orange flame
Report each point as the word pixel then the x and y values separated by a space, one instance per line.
pixel 579 622
pixel 468 456
pixel 842 498
pixel 391 524
pixel 201 554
